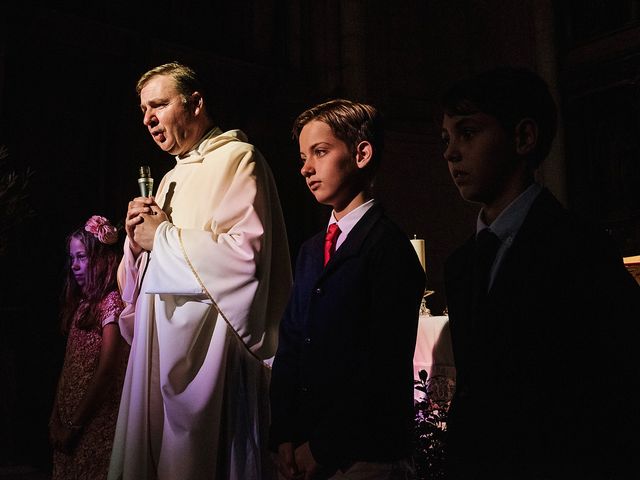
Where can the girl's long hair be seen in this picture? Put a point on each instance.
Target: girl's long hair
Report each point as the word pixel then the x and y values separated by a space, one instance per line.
pixel 100 280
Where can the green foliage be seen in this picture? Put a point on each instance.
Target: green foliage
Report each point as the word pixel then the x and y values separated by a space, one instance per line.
pixel 14 199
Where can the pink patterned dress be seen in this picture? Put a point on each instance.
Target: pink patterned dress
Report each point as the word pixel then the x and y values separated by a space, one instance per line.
pixel 90 457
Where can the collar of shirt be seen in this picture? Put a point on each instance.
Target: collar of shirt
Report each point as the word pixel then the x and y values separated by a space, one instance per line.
pixel 349 221
pixel 510 219
pixel 508 223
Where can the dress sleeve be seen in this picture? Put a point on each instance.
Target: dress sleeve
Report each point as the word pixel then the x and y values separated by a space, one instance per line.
pixel 110 308
pixel 129 285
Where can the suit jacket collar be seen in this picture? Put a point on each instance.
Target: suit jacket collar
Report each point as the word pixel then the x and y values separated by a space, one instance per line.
pixel 353 243
pixel 543 214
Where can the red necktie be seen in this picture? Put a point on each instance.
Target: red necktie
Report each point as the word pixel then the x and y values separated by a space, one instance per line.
pixel 330 241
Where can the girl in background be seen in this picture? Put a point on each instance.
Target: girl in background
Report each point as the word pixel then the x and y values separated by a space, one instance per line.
pixel 85 410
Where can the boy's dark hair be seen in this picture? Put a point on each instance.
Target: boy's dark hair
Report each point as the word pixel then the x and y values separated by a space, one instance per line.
pixel 351 122
pixel 509 94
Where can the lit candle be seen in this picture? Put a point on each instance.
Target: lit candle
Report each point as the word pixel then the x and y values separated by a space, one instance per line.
pixel 418 246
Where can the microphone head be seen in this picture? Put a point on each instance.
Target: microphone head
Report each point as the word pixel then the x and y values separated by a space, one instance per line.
pixel 144 171
pixel 145 182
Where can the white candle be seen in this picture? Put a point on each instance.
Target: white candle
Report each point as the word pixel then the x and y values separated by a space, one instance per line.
pixel 418 246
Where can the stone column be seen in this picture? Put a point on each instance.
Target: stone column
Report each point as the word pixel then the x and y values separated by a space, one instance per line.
pixel 353 16
pixel 552 173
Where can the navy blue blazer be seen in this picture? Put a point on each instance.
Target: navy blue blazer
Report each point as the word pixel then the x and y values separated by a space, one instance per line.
pixel 546 370
pixel 342 377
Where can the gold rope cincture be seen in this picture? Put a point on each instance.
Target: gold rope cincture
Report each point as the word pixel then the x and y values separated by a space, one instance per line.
pixel 184 252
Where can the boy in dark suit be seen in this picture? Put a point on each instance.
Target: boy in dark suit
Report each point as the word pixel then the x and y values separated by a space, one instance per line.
pixel 542 312
pixel 342 379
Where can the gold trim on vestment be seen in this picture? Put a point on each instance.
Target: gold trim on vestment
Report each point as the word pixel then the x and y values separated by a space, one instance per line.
pixel 186 257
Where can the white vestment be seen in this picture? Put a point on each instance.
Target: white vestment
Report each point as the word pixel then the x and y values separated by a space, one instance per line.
pixel 202 313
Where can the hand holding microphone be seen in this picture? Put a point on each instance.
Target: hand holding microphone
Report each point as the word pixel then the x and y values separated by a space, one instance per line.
pixel 145 182
pixel 139 208
pixel 142 204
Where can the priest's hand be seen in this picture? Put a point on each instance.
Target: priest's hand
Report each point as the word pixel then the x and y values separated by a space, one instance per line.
pixel 305 461
pixel 145 231
pixel 137 206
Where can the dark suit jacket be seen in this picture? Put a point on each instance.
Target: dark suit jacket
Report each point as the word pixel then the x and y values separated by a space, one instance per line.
pixel 342 377
pixel 545 369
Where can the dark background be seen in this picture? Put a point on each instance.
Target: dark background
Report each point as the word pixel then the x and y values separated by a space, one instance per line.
pixel 69 112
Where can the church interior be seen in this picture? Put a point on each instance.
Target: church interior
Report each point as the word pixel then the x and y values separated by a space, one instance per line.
pixel 71 129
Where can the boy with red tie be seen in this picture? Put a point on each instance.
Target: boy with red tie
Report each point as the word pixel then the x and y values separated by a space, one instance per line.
pixel 342 380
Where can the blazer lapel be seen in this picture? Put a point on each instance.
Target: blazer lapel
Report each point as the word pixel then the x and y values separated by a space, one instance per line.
pixel 544 212
pixel 355 240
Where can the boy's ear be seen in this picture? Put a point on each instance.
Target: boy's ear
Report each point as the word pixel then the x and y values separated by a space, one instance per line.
pixel 364 154
pixel 526 136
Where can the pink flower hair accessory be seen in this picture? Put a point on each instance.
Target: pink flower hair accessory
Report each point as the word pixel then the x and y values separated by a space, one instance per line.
pixel 102 229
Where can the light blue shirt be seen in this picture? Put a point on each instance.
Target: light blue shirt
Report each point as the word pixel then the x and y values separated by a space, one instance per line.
pixel 508 223
pixel 349 221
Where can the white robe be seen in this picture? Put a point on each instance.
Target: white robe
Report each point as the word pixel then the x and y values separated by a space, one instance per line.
pixel 202 313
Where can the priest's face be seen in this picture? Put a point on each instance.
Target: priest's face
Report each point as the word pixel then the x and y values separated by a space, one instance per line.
pixel 328 166
pixel 170 117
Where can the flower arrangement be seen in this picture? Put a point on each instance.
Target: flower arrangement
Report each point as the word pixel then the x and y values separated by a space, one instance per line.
pixel 102 229
pixel 431 407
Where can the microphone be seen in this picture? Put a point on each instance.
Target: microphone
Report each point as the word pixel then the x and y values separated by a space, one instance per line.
pixel 145 182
